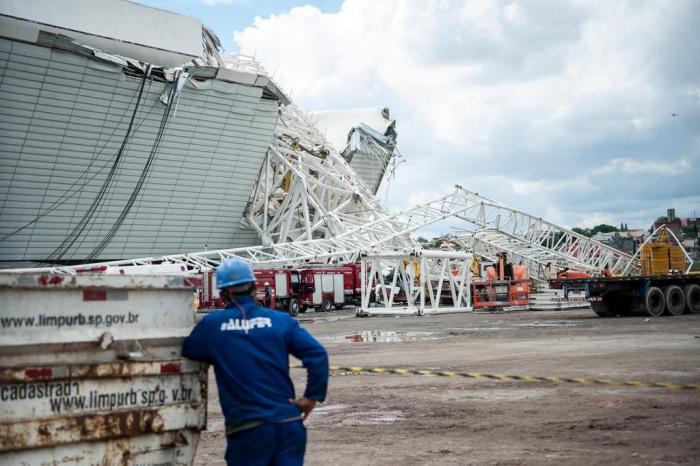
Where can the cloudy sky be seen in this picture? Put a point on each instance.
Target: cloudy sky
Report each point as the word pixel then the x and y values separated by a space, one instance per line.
pixel 580 112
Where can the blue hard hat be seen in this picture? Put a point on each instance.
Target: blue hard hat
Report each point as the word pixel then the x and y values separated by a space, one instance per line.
pixel 234 272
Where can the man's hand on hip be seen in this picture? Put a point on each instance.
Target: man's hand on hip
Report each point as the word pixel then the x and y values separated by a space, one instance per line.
pixel 305 404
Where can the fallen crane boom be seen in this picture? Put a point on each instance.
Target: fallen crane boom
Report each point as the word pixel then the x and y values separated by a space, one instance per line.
pixel 537 239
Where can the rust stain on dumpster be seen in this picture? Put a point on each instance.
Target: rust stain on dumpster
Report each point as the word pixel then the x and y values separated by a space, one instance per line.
pixel 52 432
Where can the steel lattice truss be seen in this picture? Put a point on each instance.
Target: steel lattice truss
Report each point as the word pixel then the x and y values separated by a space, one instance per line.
pixel 381 230
pixel 536 243
pixel 497 228
pixel 305 189
pixel 309 204
pixel 432 282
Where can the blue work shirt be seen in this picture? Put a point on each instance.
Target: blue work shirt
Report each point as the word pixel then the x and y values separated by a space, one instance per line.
pixel 249 347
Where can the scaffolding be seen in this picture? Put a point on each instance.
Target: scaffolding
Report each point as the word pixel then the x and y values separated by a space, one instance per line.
pixel 417 282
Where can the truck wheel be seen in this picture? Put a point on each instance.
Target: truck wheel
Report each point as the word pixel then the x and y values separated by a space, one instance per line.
pixel 654 302
pixel 692 297
pixel 326 305
pixel 293 308
pixel 675 300
pixel 601 309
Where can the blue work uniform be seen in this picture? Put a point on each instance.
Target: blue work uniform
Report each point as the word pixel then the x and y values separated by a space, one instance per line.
pixel 249 347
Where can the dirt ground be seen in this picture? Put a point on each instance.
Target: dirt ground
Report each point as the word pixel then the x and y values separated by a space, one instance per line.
pixel 410 420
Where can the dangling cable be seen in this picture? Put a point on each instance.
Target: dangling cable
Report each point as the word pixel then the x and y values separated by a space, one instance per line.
pixel 72 237
pixel 144 173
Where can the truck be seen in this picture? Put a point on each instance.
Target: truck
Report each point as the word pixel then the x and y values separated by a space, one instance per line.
pixel 295 290
pixel 665 286
pixel 91 372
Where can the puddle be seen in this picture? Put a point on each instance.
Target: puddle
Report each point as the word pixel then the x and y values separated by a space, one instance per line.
pixel 381 336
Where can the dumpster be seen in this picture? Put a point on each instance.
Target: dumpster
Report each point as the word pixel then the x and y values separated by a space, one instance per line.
pixel 91 373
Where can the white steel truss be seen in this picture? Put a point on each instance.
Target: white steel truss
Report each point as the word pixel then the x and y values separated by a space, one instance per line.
pixel 386 231
pixel 306 190
pixel 424 281
pixel 497 228
pixel 655 235
pixel 537 242
pixel 487 243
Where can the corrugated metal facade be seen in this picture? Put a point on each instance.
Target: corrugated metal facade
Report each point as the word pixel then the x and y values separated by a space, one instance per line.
pixel 370 168
pixel 63 118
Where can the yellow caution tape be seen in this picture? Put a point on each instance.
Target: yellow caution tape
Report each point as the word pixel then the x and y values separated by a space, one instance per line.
pixel 505 377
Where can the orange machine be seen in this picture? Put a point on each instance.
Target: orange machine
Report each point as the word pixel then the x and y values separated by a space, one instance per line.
pixel 505 285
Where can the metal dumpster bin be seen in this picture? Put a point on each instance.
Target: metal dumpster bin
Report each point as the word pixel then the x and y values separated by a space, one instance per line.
pixel 91 373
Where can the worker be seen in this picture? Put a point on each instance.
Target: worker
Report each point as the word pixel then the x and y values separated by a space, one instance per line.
pixel 249 347
pixel 268 295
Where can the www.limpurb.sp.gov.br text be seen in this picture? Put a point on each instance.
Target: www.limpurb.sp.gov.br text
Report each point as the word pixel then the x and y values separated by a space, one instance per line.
pixel 75 320
pixel 67 396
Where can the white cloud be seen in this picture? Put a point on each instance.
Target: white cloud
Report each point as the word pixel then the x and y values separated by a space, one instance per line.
pixel 525 101
pixel 659 167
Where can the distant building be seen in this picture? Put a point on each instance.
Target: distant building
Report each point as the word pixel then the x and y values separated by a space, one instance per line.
pixel 625 241
pixel 672 222
pixel 605 237
pixel 626 244
pixel 639 235
pixel 689 222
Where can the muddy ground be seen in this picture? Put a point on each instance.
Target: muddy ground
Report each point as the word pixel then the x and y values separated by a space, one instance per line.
pixel 410 420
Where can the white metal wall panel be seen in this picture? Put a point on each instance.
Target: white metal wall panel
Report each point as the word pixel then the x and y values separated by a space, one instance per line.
pixel 327 282
pixel 113 26
pixel 338 289
pixel 62 121
pixel 281 284
pixel 369 169
pixel 318 288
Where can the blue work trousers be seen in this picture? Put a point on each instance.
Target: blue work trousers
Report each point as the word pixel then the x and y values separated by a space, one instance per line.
pixel 269 444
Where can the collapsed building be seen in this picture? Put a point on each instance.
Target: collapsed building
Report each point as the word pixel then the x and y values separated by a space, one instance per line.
pixel 137 145
pixel 126 133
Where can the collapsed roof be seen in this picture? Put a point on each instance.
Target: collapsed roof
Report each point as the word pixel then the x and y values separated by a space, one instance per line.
pixel 111 156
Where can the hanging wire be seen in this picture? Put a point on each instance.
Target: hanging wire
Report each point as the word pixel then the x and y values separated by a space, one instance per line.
pixel 77 231
pixel 144 173
pixel 67 194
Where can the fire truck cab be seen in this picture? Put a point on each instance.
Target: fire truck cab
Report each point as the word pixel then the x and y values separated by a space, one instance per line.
pixel 296 290
pixel 322 288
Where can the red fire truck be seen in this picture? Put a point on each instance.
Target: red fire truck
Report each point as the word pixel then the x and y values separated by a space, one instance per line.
pixel 295 290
